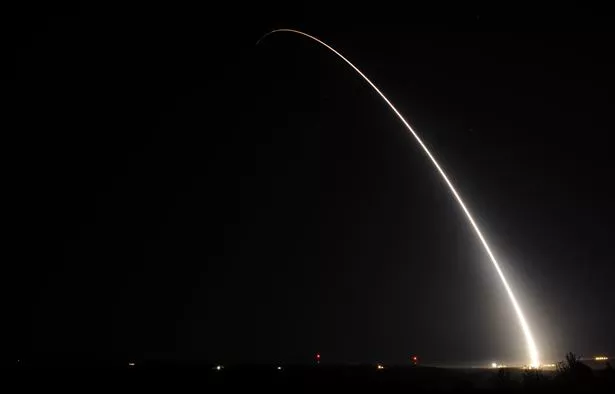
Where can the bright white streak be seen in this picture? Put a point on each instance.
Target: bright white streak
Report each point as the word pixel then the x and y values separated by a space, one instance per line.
pixel 531 345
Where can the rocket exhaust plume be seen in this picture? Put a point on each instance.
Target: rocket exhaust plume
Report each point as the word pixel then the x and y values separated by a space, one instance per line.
pixel 531 345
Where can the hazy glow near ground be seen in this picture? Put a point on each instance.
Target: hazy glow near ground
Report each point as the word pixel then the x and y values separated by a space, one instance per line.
pixel 531 345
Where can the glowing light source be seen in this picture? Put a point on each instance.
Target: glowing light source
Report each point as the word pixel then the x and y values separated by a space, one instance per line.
pixel 494 365
pixel 279 368
pixel 379 366
pixel 601 358
pixel 131 364
pixel 531 345
pixel 219 367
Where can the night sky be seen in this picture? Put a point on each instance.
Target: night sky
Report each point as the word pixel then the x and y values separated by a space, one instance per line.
pixel 180 193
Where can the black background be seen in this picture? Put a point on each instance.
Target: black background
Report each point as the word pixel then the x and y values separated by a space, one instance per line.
pixel 179 192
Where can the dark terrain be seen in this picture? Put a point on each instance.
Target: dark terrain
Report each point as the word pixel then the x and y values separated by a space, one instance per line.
pixel 188 376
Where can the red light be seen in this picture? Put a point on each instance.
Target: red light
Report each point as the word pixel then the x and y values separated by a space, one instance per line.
pixel 414 358
pixel 318 355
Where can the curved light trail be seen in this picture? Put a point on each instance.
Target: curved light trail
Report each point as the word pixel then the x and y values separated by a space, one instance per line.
pixel 531 344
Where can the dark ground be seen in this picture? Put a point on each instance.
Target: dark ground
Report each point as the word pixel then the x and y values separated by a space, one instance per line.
pixel 308 378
